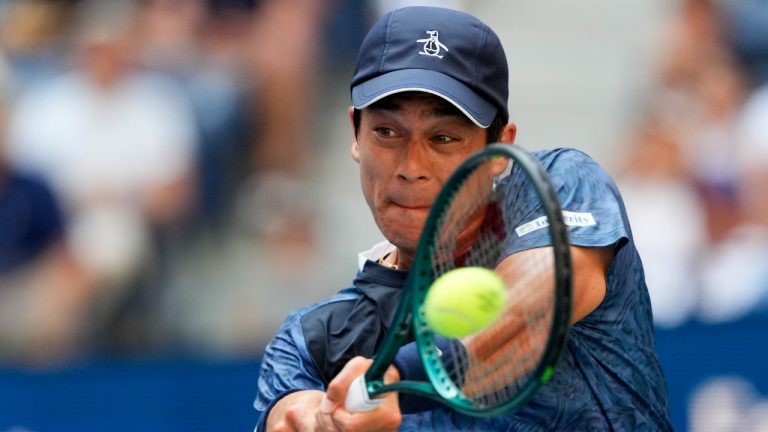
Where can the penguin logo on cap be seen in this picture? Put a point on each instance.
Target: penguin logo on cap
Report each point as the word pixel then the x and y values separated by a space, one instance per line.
pixel 432 45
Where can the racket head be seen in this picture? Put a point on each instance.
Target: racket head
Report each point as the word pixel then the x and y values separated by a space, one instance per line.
pixel 476 219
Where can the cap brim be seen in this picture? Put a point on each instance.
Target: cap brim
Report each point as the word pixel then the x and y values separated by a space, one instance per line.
pixel 480 111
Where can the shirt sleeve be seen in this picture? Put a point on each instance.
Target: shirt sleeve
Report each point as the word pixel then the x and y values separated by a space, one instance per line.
pixel 592 207
pixel 285 368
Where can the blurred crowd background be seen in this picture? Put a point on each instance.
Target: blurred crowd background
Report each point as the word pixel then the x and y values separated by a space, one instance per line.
pixel 160 163
pixel 175 177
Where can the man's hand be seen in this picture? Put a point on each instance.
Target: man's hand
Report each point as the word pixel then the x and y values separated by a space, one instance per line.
pixel 295 412
pixel 333 417
pixel 312 410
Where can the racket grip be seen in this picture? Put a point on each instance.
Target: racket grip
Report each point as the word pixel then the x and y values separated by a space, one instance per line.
pixel 357 399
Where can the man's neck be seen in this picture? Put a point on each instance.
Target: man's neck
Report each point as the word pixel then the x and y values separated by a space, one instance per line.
pixel 390 260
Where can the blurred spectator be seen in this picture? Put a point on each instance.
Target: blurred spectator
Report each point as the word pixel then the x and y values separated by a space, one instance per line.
pixel 117 144
pixel 287 54
pixel 701 89
pixel 43 291
pixel 738 262
pixel 272 51
pixel 200 46
pixel 25 236
pixel 733 275
pixel 286 43
pixel 687 182
pixel 285 46
pixel 667 220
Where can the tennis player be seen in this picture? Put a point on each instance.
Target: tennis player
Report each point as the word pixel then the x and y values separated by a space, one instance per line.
pixel 430 88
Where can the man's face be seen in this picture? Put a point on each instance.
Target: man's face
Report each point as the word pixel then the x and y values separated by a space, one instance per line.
pixel 407 146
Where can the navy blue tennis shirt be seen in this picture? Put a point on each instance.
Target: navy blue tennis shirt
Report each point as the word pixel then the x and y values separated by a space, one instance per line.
pixel 609 377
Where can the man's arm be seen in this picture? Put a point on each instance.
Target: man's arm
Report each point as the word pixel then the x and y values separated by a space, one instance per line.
pixel 287 373
pixel 590 269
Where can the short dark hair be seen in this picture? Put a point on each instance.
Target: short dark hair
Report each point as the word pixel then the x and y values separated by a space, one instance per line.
pixel 493 131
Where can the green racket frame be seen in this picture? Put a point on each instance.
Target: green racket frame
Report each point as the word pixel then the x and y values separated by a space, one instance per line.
pixel 409 316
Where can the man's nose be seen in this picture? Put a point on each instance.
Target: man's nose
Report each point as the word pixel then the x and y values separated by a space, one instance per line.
pixel 414 163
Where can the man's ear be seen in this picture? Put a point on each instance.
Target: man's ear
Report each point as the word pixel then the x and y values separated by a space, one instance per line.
pixel 508 137
pixel 355 149
pixel 509 133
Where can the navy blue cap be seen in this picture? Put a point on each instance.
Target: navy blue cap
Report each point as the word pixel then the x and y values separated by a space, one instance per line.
pixel 441 51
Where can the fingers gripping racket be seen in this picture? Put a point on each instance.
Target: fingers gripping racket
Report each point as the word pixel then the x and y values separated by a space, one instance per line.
pixel 499 211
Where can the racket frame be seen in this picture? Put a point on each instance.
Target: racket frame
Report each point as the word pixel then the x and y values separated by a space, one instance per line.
pixel 409 317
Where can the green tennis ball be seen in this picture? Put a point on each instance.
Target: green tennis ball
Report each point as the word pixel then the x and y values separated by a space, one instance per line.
pixel 464 301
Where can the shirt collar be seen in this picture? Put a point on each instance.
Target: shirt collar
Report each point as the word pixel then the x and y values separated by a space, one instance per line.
pixel 374 253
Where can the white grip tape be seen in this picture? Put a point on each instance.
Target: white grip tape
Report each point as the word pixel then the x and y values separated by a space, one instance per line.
pixel 357 397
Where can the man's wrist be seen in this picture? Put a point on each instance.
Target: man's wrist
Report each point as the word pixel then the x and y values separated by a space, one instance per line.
pixel 261 425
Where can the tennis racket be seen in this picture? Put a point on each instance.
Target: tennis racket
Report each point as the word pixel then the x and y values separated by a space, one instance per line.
pixel 498 210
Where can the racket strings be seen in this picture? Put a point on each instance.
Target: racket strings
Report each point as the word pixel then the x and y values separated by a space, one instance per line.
pixel 460 240
pixel 495 364
pixel 518 341
pixel 516 344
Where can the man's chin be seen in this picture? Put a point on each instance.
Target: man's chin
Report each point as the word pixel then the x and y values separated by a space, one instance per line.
pixel 405 243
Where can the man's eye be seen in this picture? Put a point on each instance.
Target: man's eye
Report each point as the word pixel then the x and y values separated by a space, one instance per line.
pixel 384 132
pixel 443 139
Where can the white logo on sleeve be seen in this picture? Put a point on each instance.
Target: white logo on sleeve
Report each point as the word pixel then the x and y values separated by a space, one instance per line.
pixel 531 226
pixel 578 219
pixel 432 45
pixel 570 219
